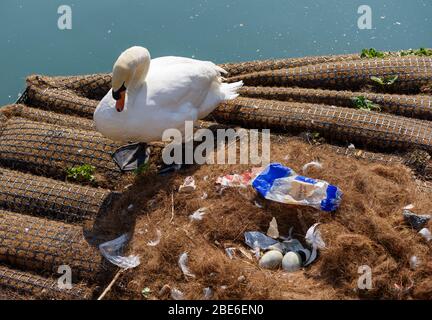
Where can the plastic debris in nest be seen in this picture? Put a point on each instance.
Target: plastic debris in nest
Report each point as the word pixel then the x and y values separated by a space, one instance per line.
pixel 198 215
pixel 208 293
pixel 314 239
pixel 154 243
pixel 425 233
pixel 414 262
pixel 291 253
pixel 256 239
pixel 414 220
pixel 176 294
pixel 281 184
pixel 112 251
pixel 313 164
pixel 230 252
pixel 238 180
pixel 183 265
pixel 188 185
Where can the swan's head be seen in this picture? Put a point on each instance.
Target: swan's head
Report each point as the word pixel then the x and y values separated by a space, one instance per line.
pixel 129 70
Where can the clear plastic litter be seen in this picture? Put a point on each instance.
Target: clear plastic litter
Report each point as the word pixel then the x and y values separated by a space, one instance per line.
pixel 425 232
pixel 112 251
pixel 182 262
pixel 208 293
pixel 281 184
pixel 314 239
pixel 414 262
pixel 188 185
pixel 176 294
pixel 313 164
pixel 154 243
pixel 230 252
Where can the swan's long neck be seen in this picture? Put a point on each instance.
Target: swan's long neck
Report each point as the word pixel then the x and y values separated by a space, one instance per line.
pixel 139 70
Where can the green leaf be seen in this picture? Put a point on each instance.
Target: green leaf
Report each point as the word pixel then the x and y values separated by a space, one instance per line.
pixel 390 80
pixel 146 292
pixel 362 103
pixel 377 80
pixel 372 53
pixel 81 173
pixel 387 81
pixel 418 52
pixel 142 168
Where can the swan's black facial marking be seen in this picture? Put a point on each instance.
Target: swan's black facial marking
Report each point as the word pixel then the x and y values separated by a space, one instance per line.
pixel 117 94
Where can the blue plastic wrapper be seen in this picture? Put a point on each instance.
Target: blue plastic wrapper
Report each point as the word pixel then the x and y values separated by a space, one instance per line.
pixel 279 183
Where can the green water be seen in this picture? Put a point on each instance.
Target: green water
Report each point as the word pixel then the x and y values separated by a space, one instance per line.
pixel 218 30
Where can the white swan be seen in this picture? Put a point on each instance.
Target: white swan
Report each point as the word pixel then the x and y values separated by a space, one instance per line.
pixel 150 96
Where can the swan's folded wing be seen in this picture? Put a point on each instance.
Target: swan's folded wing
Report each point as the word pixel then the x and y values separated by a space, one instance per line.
pixel 180 81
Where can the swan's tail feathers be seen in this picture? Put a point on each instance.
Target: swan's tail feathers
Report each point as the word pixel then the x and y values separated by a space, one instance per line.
pixel 229 90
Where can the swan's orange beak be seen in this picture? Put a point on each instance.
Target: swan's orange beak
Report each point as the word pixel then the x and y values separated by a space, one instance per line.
pixel 121 102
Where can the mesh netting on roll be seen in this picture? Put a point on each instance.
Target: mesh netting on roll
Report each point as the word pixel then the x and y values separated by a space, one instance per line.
pixel 31 243
pixel 35 114
pixel 239 68
pixel 93 86
pixel 367 127
pixel 52 149
pixel 60 100
pixel 24 193
pixel 18 282
pixel 413 73
pixel 416 106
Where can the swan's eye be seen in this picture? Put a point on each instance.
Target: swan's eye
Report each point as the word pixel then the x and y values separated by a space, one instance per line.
pixel 116 94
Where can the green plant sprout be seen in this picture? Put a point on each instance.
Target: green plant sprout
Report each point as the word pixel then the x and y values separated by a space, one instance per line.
pixel 386 81
pixel 362 103
pixel 418 52
pixel 142 168
pixel 146 292
pixel 372 53
pixel 81 173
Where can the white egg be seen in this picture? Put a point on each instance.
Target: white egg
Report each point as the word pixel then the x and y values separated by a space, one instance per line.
pixel 291 261
pixel 271 260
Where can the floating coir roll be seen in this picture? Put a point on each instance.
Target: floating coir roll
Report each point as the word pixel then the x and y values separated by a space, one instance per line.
pixel 60 100
pixel 381 130
pixel 42 245
pixel 35 114
pixel 413 73
pixel 24 193
pixel 239 68
pixel 52 149
pixel 17 283
pixel 93 86
pixel 415 106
